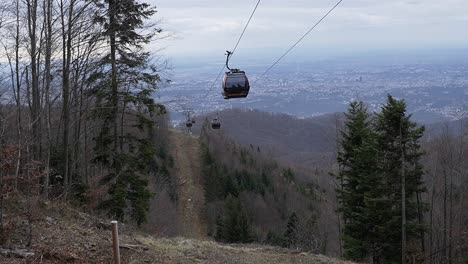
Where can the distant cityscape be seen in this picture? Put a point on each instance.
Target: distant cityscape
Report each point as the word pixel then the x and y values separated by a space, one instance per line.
pixel 434 92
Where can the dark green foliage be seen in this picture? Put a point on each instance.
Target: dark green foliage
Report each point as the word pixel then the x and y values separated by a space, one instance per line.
pixel 123 83
pixel 289 175
pixel 238 181
pixel 221 182
pixel 370 181
pixel 79 192
pixel 220 229
pixel 291 235
pixel 130 189
pixel 390 123
pixel 275 239
pixel 162 153
pixel 57 161
pixel 170 162
pixel 358 178
pixel 235 227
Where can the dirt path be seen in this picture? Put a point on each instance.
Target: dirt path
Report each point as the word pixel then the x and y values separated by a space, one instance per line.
pixel 191 203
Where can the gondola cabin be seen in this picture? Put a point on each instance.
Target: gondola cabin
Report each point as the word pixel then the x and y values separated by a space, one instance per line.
pixel 215 124
pixel 235 84
pixel 188 124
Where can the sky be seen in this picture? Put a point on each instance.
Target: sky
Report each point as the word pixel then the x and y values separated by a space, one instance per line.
pixel 206 28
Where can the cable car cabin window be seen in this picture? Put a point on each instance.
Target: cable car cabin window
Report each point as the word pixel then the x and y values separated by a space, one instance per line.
pixel 234 81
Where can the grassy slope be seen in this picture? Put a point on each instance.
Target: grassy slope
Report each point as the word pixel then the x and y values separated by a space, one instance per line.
pixel 191 207
pixel 64 235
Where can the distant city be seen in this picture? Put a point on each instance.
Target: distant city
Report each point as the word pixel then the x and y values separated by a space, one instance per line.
pixel 434 91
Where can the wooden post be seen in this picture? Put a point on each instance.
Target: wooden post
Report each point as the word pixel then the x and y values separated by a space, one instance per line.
pixel 115 242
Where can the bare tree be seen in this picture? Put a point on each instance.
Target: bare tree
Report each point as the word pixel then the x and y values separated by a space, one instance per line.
pixel 32 17
pixel 48 80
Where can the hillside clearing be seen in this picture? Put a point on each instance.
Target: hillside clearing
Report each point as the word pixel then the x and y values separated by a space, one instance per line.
pixel 187 171
pixel 69 236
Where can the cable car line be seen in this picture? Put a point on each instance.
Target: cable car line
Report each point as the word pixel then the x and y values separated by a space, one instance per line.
pixel 235 47
pixel 236 83
pixel 298 41
pixel 245 28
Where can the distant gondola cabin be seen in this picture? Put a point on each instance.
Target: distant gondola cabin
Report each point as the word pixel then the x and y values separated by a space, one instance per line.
pixel 215 124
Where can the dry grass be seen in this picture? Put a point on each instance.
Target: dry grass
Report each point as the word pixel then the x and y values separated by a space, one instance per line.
pixel 180 250
pixel 191 207
pixel 64 235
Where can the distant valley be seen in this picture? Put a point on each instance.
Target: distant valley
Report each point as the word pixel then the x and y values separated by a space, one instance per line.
pixel 434 91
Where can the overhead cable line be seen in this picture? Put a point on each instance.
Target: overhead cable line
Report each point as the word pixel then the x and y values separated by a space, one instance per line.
pixel 245 28
pixel 235 47
pixel 298 41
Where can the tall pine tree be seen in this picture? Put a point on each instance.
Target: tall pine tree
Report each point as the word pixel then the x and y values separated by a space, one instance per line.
pixel 235 227
pixel 124 81
pixel 358 178
pixel 401 172
pixel 379 165
pixel 290 234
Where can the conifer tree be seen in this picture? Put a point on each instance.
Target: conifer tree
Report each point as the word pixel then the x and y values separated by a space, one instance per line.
pixel 358 178
pixel 123 82
pixel 291 230
pixel 401 172
pixel 379 165
pixel 237 227
pixel 219 229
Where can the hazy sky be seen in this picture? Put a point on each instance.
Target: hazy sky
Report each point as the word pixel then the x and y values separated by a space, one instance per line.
pixel 209 27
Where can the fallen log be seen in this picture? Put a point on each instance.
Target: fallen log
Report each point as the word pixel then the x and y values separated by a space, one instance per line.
pixel 133 247
pixel 18 253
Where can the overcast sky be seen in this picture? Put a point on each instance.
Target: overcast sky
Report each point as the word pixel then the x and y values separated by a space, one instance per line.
pixel 209 27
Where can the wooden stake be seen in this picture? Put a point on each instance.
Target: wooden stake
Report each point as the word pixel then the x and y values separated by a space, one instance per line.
pixel 115 242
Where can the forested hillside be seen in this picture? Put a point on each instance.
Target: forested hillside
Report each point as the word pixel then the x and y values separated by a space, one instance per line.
pixel 299 141
pixel 77 114
pixel 443 159
pixel 78 119
pixel 251 198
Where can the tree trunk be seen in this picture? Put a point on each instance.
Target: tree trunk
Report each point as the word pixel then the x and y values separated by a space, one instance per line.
pixel 35 109
pixel 48 80
pixel 431 218
pixel 66 60
pixel 403 199
pixel 444 239
pixel 420 222
pixel 114 84
pixel 17 97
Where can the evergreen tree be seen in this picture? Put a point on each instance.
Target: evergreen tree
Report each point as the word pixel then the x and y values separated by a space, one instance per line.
pixel 230 186
pixel 244 227
pixel 290 234
pixel 379 163
pixel 219 236
pixel 237 227
pixel 274 239
pixel 123 82
pixel 358 178
pixel 401 172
